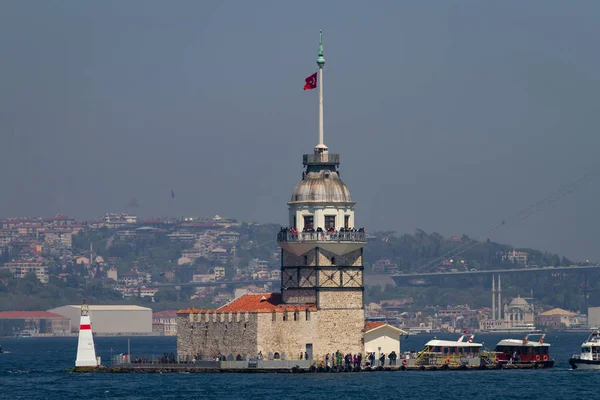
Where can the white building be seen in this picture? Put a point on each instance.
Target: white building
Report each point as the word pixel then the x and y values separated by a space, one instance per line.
pixel 21 268
pixel 381 337
pixel 113 274
pixel 111 319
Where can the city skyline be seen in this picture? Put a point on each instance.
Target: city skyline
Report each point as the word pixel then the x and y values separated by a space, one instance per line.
pixel 448 116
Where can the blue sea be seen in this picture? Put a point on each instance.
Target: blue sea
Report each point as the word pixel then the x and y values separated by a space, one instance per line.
pixel 36 368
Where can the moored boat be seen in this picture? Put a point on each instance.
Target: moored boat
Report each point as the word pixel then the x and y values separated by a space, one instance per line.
pixel 448 353
pixel 532 349
pixel 589 358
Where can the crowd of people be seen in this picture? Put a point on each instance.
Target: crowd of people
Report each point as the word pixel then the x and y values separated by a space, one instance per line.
pixel 338 359
pixel 321 234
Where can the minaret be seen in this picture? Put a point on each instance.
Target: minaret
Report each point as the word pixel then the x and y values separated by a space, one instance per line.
pixel 322 263
pixel 493 297
pixel 499 297
pixel 86 352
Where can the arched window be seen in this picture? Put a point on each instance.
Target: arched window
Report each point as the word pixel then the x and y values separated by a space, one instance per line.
pixel 296 315
pixel 307 314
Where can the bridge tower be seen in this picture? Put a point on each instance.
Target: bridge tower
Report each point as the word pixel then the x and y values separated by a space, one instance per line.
pixel 322 251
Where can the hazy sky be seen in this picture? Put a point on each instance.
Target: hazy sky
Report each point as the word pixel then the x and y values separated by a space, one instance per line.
pixel 449 116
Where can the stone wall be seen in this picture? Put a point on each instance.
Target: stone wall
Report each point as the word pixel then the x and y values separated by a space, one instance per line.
pixel 341 277
pixel 214 333
pixel 299 296
pixel 290 259
pixel 340 330
pixel 340 300
pixel 290 336
pixel 352 259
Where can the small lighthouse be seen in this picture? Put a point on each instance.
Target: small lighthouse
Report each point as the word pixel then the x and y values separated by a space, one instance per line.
pixel 86 352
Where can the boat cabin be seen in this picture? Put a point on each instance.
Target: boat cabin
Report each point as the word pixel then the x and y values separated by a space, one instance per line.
pixel 530 349
pixel 462 351
pixel 590 349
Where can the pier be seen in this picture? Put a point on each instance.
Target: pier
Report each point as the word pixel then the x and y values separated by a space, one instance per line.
pixel 283 366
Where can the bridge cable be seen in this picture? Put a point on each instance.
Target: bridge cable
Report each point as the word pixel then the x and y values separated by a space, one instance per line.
pixel 520 216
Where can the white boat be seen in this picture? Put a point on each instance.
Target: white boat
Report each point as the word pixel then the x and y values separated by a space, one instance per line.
pixel 443 353
pixel 527 329
pixel 589 358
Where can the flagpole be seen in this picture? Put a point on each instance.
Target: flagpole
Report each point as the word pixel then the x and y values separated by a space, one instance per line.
pixel 321 63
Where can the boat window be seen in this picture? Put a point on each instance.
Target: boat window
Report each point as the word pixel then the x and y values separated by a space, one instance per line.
pixel 545 350
pixel 585 349
pixel 445 350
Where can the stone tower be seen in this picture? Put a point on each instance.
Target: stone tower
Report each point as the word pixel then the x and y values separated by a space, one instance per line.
pixel 322 251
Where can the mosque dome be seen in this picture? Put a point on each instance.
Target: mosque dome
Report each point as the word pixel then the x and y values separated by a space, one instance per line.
pixel 321 186
pixel 518 302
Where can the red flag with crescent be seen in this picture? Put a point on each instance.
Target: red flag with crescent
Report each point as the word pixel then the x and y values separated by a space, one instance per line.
pixel 310 82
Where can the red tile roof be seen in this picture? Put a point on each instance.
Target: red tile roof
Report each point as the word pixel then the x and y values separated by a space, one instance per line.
pixel 372 325
pixel 168 313
pixel 28 314
pixel 262 303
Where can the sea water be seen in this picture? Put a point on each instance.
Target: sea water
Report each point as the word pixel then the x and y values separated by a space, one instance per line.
pixel 36 368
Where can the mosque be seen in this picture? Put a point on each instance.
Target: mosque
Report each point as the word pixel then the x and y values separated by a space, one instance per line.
pixel 515 315
pixel 319 309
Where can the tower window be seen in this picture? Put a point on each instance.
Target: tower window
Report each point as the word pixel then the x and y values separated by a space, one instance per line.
pixel 307 314
pixel 330 221
pixel 296 315
pixel 295 226
pixel 305 260
pixel 346 221
pixel 308 222
pixel 332 260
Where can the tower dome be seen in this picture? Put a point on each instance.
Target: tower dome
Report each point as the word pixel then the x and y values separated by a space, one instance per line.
pixel 321 186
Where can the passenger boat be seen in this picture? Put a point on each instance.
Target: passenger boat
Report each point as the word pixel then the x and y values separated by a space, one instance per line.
pixel 589 358
pixel 532 349
pixel 446 353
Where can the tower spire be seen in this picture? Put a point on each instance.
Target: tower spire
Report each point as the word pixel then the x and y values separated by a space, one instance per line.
pixel 321 63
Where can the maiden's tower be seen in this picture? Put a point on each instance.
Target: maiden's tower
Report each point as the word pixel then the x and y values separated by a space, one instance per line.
pixel 320 307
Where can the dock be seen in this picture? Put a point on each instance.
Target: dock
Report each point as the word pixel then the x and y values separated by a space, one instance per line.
pixel 282 367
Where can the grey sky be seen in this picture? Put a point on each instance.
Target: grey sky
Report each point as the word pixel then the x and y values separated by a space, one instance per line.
pixel 449 116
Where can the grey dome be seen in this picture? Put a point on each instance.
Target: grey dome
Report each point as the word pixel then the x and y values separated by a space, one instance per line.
pixel 519 301
pixel 322 186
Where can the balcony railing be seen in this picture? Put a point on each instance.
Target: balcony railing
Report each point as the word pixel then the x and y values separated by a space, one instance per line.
pixel 321 237
pixel 329 159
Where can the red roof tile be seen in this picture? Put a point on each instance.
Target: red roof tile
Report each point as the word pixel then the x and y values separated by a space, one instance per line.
pixel 262 302
pixel 372 325
pixel 168 313
pixel 28 314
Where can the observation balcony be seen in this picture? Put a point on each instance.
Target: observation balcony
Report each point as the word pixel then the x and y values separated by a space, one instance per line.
pixel 329 237
pixel 321 159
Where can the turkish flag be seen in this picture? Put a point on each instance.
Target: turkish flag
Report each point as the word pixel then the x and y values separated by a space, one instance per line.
pixel 310 82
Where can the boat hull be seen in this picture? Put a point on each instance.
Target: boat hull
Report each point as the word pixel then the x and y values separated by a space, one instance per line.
pixel 577 363
pixel 534 365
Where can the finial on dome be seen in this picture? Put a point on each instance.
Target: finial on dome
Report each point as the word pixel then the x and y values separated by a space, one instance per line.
pixel 320 59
